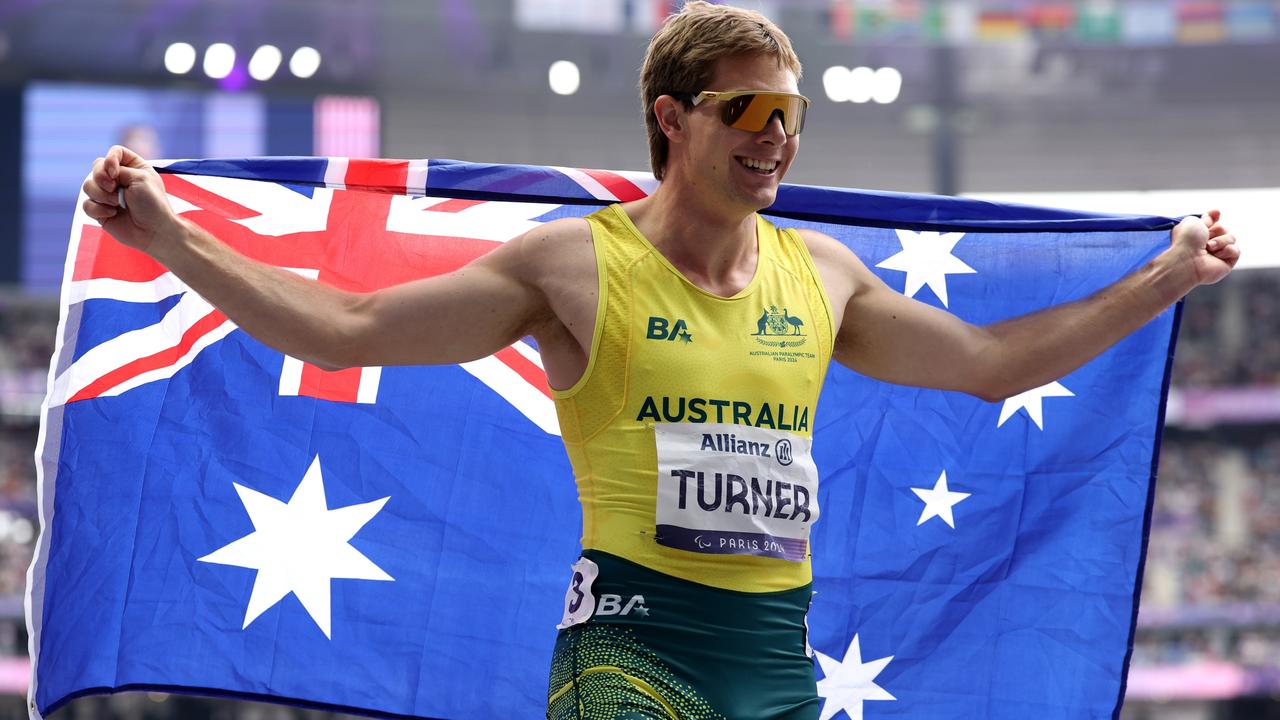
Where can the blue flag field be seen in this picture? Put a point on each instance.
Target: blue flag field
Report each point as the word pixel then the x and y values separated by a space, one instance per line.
pixel 218 518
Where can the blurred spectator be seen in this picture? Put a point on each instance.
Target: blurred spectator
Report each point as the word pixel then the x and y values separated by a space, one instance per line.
pixel 27 330
pixel 142 139
pixel 1230 333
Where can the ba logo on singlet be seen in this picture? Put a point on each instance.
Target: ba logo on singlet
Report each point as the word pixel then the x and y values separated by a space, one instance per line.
pixel 661 328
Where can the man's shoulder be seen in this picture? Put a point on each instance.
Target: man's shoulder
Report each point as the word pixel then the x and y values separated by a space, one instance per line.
pixel 841 270
pixel 824 248
pixel 564 236
pixel 553 252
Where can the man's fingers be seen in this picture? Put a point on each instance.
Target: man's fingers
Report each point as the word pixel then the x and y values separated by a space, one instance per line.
pixel 1229 254
pixel 126 158
pixel 97 193
pixel 1223 240
pixel 98 211
pixel 1211 218
pixel 129 176
pixel 100 176
pixel 111 163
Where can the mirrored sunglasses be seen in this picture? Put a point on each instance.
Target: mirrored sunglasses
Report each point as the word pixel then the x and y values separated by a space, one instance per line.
pixel 751 110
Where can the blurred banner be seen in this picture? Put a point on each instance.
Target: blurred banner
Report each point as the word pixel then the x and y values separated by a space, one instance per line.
pixel 218 518
pixel 160 122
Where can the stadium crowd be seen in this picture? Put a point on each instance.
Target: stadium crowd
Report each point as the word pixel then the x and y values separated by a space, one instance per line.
pixel 1230 334
pixel 1215 527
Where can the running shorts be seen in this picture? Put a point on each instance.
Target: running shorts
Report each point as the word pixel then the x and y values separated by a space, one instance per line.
pixel 637 644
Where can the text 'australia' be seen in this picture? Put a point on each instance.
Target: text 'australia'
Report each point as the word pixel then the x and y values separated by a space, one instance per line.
pixel 775 416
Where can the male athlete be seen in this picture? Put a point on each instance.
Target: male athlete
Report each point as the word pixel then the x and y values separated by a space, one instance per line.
pixel 658 432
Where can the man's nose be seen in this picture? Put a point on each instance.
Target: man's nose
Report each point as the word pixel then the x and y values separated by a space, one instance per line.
pixel 775 128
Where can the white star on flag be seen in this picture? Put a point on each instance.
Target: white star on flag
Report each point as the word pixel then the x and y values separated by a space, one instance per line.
pixel 939 501
pixel 1031 401
pixel 299 547
pixel 927 260
pixel 847 683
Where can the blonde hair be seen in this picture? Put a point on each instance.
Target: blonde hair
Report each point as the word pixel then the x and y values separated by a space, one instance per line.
pixel 682 57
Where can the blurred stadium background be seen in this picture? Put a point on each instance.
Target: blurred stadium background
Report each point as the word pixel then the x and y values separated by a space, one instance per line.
pixel 1165 106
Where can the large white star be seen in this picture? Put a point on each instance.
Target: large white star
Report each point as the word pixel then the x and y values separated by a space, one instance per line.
pixel 939 501
pixel 847 683
pixel 299 547
pixel 1031 401
pixel 927 260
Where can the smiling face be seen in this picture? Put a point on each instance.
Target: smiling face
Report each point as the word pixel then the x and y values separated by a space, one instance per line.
pixel 740 169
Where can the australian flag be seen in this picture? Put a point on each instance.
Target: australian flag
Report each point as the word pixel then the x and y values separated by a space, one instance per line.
pixel 219 518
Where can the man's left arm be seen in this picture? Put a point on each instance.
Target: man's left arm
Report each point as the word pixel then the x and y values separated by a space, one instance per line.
pixel 888 336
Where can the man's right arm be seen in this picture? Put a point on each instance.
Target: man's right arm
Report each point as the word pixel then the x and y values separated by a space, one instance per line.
pixel 464 315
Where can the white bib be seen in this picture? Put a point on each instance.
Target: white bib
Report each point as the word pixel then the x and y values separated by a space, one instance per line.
pixel 735 489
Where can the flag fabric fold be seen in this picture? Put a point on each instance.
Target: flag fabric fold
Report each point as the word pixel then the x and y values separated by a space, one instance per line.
pixel 220 518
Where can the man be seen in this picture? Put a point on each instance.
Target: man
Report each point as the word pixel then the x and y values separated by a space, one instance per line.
pixel 692 457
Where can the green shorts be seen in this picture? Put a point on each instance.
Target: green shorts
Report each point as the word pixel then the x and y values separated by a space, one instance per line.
pixel 648 646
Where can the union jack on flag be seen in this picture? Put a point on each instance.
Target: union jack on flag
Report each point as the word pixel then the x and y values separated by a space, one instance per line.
pixel 219 518
pixel 309 231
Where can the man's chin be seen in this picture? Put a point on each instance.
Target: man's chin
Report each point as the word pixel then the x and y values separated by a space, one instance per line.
pixel 764 198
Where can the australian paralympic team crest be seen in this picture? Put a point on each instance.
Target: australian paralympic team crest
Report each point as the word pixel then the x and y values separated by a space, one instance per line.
pixel 779 330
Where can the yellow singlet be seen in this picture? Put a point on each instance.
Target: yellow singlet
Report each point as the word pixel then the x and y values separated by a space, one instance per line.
pixel 689 432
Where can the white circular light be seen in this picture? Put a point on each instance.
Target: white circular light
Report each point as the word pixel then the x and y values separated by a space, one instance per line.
pixel 564 78
pixel 305 62
pixel 835 80
pixel 265 62
pixel 886 86
pixel 218 60
pixel 179 58
pixel 862 82
pixel 23 531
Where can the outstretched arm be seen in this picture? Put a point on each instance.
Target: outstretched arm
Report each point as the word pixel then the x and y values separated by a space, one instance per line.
pixel 461 316
pixel 894 338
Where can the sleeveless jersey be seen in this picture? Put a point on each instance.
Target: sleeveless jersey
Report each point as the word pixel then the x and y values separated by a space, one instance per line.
pixel 689 432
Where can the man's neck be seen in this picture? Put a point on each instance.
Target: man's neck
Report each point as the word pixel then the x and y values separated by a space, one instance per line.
pixel 715 247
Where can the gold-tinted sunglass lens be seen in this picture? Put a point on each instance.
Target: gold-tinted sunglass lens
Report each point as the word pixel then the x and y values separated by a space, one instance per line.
pixel 752 112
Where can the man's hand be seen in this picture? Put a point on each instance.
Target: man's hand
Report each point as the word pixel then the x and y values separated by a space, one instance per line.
pixel 147 213
pixel 1208 247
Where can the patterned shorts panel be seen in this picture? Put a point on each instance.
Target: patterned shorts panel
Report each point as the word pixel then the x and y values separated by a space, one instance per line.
pixel 658 647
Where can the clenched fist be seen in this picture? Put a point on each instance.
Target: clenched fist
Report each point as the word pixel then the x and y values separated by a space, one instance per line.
pixel 145 215
pixel 1208 247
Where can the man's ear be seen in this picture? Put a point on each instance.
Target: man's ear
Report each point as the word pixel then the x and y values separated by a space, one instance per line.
pixel 672 118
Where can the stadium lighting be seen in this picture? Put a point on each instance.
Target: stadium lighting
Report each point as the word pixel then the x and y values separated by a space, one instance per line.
pixel 265 62
pixel 835 80
pixel 564 78
pixel 219 59
pixel 886 85
pixel 862 82
pixel 179 58
pixel 305 62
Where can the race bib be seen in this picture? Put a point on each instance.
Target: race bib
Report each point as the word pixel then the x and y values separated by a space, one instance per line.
pixel 579 602
pixel 735 489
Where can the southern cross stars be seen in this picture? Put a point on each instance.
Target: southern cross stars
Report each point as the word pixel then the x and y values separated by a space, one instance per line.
pixel 847 683
pixel 1032 402
pixel 299 547
pixel 927 260
pixel 939 501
